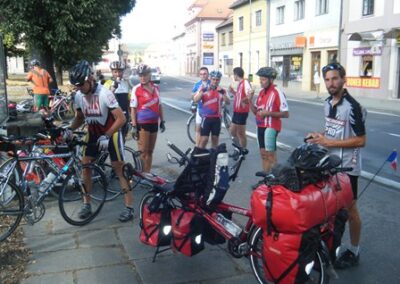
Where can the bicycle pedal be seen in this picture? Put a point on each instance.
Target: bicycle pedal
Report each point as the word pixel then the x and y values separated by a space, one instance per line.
pixel 244 249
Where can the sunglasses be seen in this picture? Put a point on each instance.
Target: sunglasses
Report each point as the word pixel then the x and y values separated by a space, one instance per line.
pixel 332 66
pixel 79 84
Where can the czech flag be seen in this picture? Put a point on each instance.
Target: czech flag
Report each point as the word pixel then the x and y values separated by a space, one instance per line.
pixel 393 160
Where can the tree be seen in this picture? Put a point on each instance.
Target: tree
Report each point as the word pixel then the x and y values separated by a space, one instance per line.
pixel 61 32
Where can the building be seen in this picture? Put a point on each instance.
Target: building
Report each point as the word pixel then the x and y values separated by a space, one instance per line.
pixel 370 47
pixel 200 33
pixel 225 46
pixel 249 34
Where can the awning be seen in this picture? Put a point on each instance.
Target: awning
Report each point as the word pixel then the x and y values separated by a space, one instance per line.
pixel 393 33
pixel 366 36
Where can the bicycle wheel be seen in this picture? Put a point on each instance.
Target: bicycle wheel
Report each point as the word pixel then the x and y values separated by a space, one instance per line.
pixel 11 208
pixel 191 128
pixel 4 167
pixel 71 196
pixel 113 187
pixel 225 127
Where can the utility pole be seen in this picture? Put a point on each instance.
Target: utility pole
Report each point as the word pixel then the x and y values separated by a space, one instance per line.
pixel 268 35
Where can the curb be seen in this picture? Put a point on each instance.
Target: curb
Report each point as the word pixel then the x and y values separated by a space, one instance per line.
pixel 282 146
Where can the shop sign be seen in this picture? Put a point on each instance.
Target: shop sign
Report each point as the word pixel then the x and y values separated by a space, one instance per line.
pixel 208 37
pixel 366 83
pixel 373 50
pixel 208 46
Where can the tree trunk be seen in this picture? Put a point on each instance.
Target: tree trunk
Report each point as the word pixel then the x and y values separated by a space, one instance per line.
pixel 45 57
pixel 59 75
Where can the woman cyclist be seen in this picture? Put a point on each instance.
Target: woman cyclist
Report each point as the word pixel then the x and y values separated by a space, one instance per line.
pixel 146 113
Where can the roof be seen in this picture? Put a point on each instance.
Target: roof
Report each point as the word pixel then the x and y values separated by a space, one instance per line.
pixel 225 23
pixel 211 9
pixel 238 3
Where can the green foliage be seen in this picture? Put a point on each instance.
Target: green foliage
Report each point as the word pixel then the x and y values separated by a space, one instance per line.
pixel 65 30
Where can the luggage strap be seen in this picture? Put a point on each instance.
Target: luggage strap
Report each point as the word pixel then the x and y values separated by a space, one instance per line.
pixel 270 225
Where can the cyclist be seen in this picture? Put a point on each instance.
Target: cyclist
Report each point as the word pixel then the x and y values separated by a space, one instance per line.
pixel 40 79
pixel 203 83
pixel 241 106
pixel 344 136
pixel 98 107
pixel 210 111
pixel 120 88
pixel 270 107
pixel 146 112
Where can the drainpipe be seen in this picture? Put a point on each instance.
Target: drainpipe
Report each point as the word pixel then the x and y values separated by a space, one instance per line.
pixel 340 31
pixel 268 23
pixel 250 19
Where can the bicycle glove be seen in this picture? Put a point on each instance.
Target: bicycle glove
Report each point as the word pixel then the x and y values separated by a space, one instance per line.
pixel 162 126
pixel 102 142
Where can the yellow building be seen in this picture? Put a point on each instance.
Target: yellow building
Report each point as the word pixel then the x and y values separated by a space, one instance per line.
pixel 249 34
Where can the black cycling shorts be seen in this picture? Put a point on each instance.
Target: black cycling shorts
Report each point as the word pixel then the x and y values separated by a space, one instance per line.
pixel 150 127
pixel 354 185
pixel 115 146
pixel 240 118
pixel 210 125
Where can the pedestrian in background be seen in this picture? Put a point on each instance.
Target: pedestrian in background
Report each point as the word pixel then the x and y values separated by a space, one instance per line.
pixel 204 83
pixel 241 106
pixel 40 79
pixel 269 108
pixel 344 136
pixel 146 113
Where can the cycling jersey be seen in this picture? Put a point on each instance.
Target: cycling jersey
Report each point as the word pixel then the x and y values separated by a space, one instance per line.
pixel 212 103
pixel 271 99
pixel 40 79
pixel 243 90
pixel 344 120
pixel 97 109
pixel 148 105
pixel 196 88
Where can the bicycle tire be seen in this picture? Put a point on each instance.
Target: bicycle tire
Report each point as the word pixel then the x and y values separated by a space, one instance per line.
pixel 191 128
pixel 69 205
pixel 11 209
pixel 257 261
pixel 16 177
pixel 227 121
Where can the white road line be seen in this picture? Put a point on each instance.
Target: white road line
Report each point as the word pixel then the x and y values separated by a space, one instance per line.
pixel 394 134
pixel 364 174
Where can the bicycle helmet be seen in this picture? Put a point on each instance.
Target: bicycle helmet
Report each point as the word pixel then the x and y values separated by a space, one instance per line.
pixel 309 157
pixel 143 69
pixel 35 62
pixel 267 72
pixel 80 73
pixel 215 74
pixel 117 65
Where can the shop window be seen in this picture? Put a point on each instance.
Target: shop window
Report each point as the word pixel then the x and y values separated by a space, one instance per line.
pixel 322 7
pixel 240 23
pixel 208 58
pixel 230 39
pixel 258 18
pixel 295 68
pixel 368 7
pixel 367 64
pixel 299 10
pixel 223 39
pixel 280 15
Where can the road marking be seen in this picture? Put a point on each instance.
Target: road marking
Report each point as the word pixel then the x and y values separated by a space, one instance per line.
pixel 394 134
pixel 364 174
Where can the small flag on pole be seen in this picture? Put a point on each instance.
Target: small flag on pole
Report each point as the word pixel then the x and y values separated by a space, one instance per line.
pixel 393 160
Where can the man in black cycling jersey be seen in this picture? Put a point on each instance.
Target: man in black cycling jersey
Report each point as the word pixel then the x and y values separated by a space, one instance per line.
pixel 98 107
pixel 344 136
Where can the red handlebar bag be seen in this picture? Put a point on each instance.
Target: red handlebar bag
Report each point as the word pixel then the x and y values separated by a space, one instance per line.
pixel 187 232
pixel 286 211
pixel 152 227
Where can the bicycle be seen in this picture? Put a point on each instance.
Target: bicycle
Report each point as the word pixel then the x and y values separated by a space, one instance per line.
pixel 191 122
pixel 24 198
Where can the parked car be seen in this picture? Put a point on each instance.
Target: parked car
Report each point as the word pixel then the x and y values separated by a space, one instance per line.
pixel 155 76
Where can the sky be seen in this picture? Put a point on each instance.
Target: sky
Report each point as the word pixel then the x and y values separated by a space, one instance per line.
pixel 154 20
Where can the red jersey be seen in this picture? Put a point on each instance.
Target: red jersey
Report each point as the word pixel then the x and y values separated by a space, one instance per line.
pixel 212 103
pixel 147 105
pixel 271 99
pixel 243 90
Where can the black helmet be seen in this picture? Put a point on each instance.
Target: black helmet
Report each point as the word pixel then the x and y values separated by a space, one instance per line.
pixel 267 72
pixel 80 73
pixel 117 65
pixel 143 69
pixel 35 62
pixel 309 157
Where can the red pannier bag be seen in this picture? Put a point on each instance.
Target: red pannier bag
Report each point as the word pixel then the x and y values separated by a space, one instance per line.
pixel 296 212
pixel 152 225
pixel 285 256
pixel 187 232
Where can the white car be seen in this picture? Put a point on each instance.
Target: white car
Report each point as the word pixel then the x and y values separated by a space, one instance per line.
pixel 155 76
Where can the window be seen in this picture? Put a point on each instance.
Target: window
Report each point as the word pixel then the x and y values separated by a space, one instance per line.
pixel 322 7
pixel 240 23
pixel 368 7
pixel 258 18
pixel 208 58
pixel 280 15
pixel 299 10
pixel 230 39
pixel 367 63
pixel 223 39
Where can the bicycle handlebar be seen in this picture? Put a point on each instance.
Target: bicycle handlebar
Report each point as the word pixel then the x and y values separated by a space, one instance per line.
pixel 184 158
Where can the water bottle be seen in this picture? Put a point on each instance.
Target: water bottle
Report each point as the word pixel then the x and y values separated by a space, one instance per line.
pixel 47 181
pixel 231 227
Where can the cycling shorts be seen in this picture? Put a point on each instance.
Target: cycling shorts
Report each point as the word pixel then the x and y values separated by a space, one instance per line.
pixel 150 127
pixel 210 125
pixel 354 185
pixel 115 147
pixel 198 118
pixel 41 100
pixel 240 118
pixel 267 138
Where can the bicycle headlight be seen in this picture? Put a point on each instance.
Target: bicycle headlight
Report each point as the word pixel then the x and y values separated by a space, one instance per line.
pixel 309 267
pixel 337 251
pixel 167 229
pixel 197 239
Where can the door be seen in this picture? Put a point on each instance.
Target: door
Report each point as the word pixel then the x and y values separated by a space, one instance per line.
pixel 315 71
